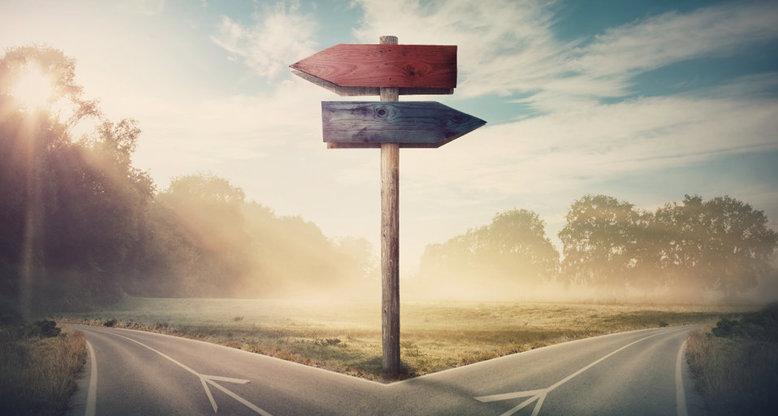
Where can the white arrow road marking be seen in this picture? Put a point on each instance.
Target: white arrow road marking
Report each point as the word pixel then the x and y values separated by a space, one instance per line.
pixel 206 379
pixel 540 394
pixel 209 379
pixel 252 406
pixel 533 395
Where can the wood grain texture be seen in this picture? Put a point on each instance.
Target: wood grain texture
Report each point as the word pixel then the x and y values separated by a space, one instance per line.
pixel 390 257
pixel 402 66
pixel 409 124
pixel 390 241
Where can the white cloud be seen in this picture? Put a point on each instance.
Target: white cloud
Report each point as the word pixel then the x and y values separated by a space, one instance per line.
pixel 673 37
pixel 504 46
pixel 605 67
pixel 279 36
pixel 508 47
pixel 568 150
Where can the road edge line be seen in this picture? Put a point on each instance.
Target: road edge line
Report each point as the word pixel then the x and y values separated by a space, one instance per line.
pixel 680 392
pixel 91 395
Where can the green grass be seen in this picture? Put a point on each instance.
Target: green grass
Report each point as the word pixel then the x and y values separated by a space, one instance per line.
pixel 346 337
pixel 38 370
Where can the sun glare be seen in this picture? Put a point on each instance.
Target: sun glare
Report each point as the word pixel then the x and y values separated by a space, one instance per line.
pixel 33 88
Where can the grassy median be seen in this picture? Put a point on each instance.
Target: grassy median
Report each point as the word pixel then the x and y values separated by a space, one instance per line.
pixel 346 337
pixel 39 364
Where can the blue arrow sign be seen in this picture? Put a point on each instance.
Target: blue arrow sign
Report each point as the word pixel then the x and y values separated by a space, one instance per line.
pixel 410 124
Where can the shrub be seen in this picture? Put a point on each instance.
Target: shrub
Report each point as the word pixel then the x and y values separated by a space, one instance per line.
pixel 47 329
pixel 726 328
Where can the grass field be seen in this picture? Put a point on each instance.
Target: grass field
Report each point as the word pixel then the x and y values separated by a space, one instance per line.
pixel 346 337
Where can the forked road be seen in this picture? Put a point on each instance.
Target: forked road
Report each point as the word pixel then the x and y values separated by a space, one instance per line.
pixel 632 373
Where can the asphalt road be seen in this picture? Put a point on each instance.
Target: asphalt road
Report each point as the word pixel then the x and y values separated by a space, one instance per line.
pixel 632 373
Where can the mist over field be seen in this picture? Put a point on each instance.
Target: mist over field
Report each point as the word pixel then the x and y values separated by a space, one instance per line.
pixel 691 251
pixel 83 227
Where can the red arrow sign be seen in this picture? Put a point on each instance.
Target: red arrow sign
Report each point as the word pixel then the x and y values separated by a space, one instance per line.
pixel 403 66
pixel 410 124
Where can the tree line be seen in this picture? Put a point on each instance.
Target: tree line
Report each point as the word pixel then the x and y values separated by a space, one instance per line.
pixel 80 225
pixel 719 245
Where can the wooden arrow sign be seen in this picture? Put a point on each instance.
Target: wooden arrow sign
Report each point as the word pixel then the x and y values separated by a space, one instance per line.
pixel 362 69
pixel 410 124
pixel 388 70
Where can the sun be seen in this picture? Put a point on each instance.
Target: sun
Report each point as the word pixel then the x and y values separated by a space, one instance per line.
pixel 33 88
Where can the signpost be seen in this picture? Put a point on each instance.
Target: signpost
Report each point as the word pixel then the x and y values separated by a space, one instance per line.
pixel 388 70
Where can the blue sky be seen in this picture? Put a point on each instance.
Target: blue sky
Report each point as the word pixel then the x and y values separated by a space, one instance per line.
pixel 643 101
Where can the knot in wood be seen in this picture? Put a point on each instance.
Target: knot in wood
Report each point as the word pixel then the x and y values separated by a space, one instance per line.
pixel 383 112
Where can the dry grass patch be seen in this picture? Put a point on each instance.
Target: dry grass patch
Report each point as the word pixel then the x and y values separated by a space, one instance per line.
pixel 346 337
pixel 735 364
pixel 38 372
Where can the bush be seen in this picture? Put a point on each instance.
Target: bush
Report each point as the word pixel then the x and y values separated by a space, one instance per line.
pixel 726 328
pixel 47 329
pixel 41 329
pixel 761 325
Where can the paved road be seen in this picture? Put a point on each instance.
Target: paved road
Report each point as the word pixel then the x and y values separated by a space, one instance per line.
pixel 633 373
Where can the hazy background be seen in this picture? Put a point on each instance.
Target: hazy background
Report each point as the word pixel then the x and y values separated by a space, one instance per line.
pixel 223 187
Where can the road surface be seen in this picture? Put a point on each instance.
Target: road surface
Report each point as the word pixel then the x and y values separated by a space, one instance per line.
pixel 633 373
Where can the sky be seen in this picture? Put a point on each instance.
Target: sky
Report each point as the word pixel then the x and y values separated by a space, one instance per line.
pixel 642 101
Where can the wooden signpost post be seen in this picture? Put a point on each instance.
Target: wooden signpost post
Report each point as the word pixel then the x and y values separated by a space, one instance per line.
pixel 388 70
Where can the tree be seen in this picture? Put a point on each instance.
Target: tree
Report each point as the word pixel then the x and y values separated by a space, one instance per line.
pixel 516 242
pixel 512 250
pixel 199 237
pixel 75 208
pixel 80 225
pixel 599 241
pixel 57 70
pixel 292 256
pixel 206 240
pixel 721 244
pixel 101 202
